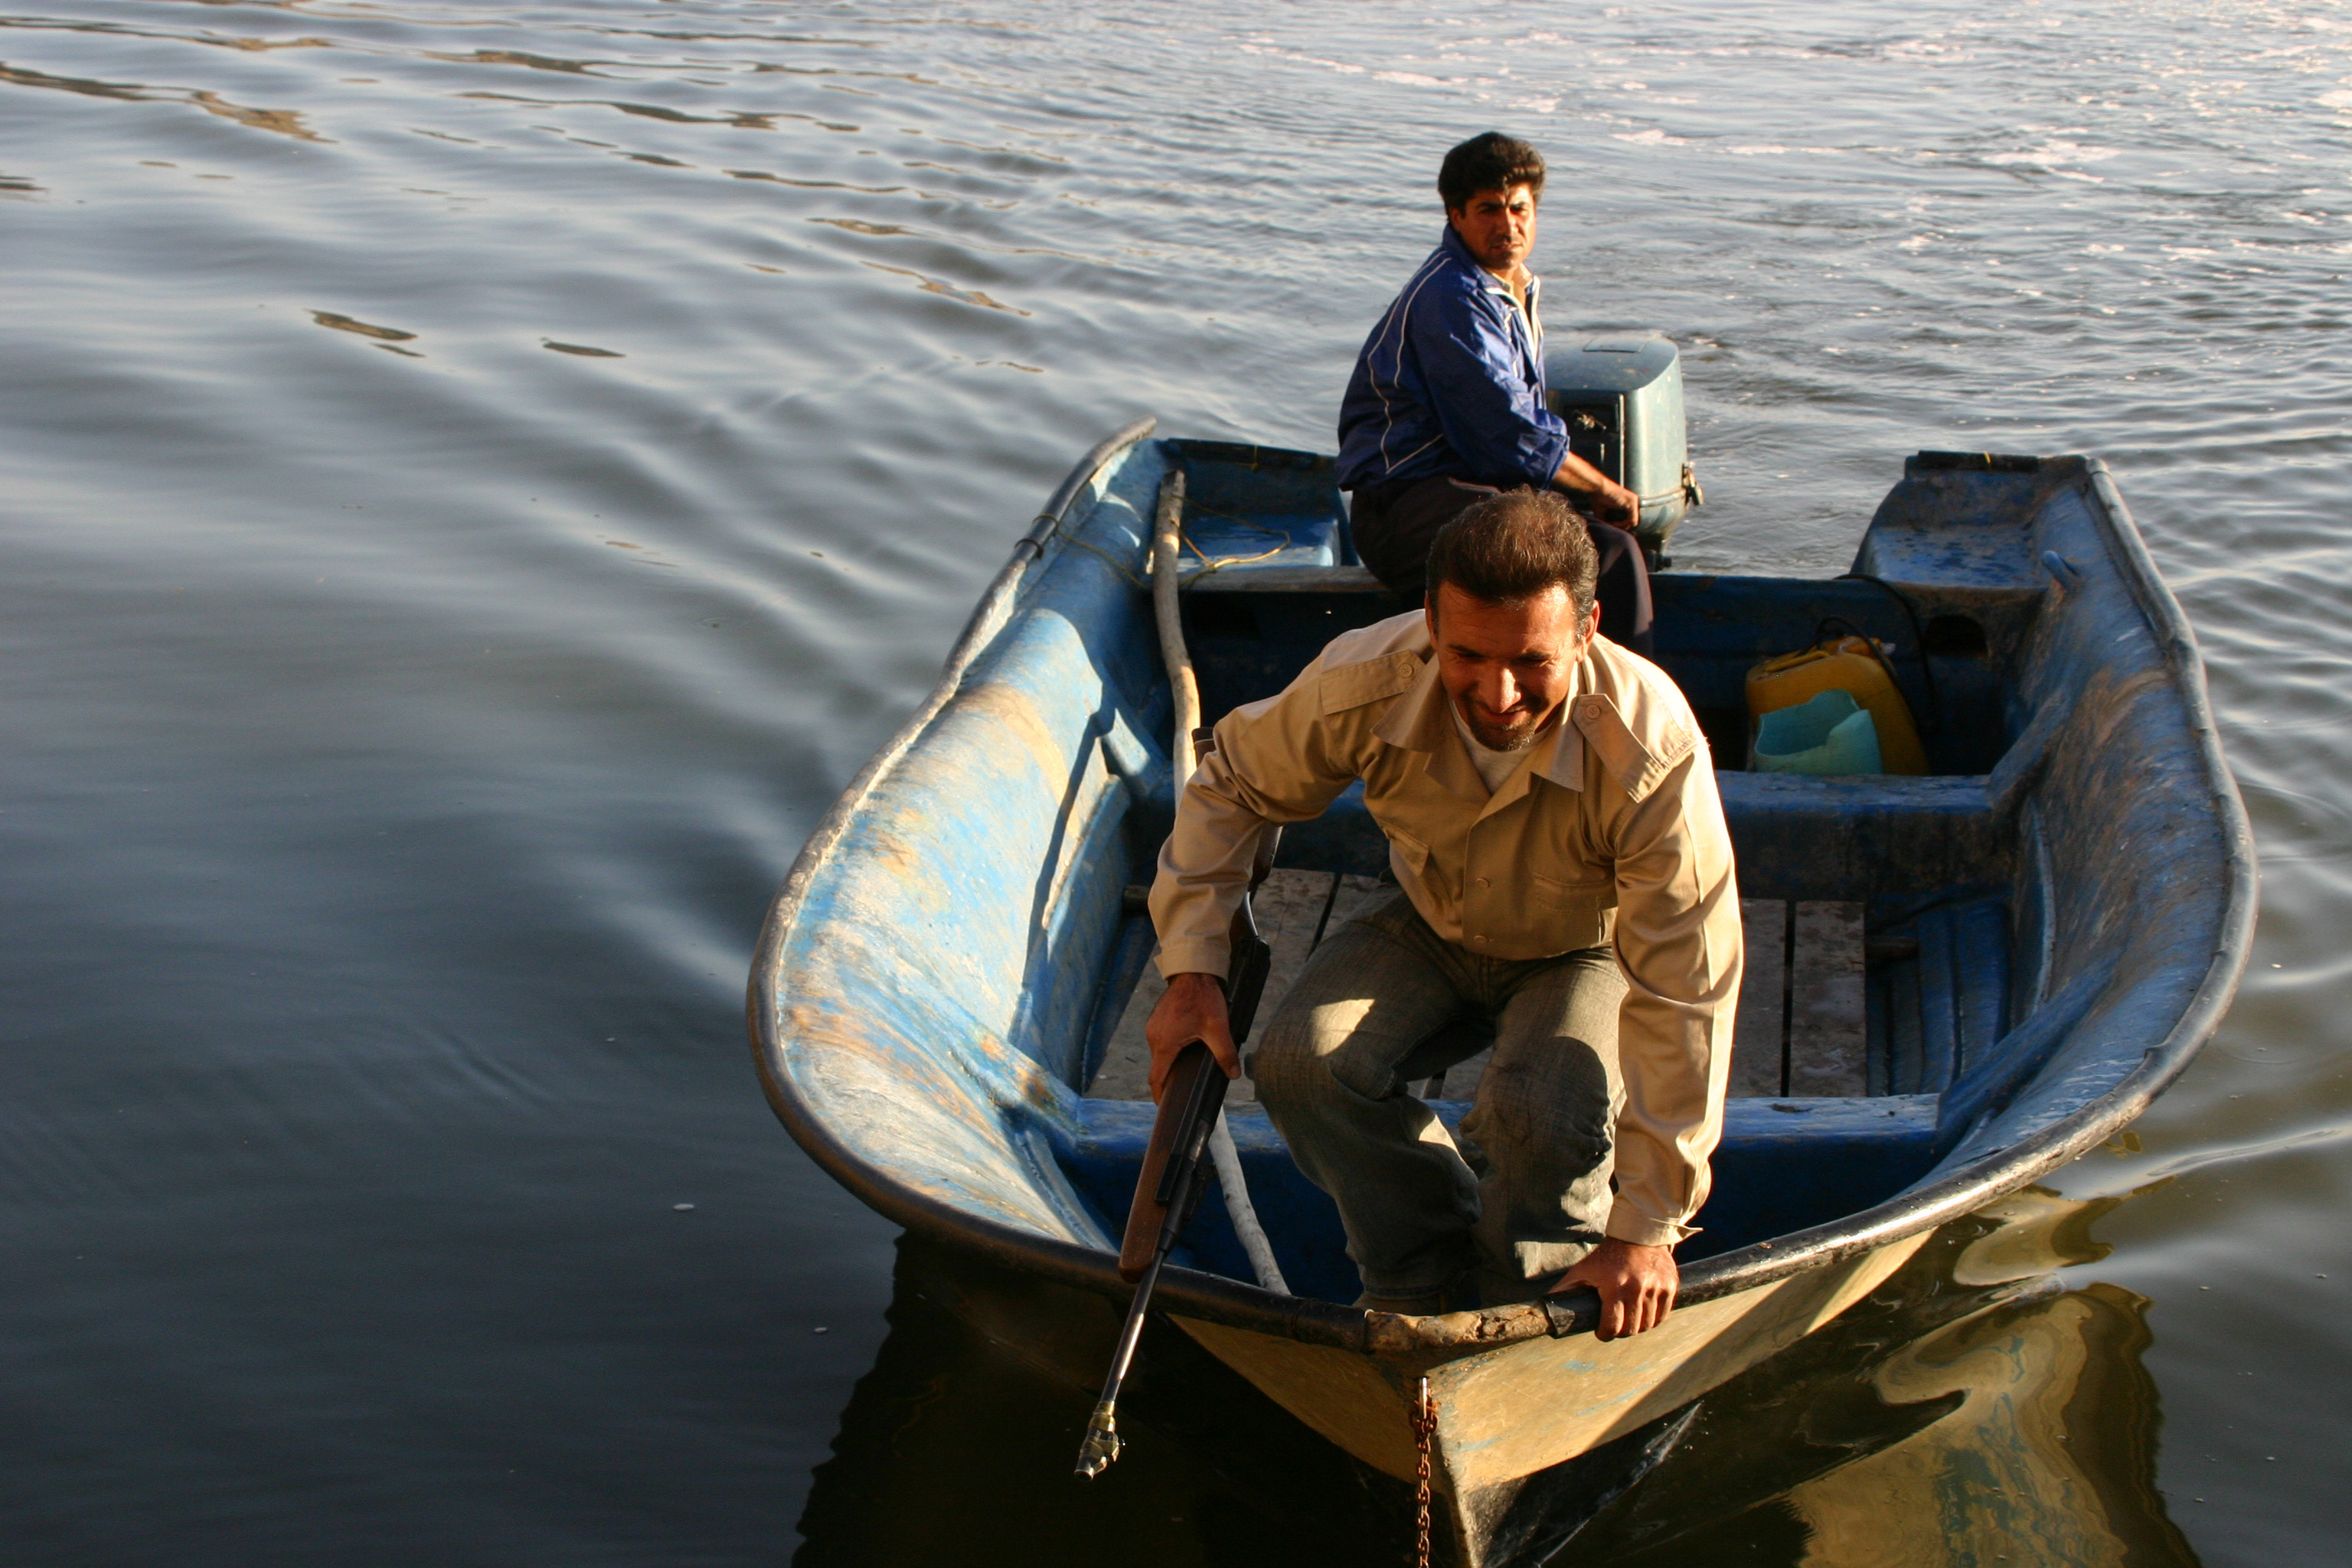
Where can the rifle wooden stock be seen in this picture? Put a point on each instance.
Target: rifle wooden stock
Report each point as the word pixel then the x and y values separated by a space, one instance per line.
pixel 1173 1173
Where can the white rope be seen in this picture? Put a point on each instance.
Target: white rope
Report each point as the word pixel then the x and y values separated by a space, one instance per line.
pixel 1186 691
pixel 1235 1186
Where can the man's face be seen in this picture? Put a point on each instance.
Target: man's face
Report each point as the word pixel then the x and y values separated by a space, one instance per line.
pixel 1498 226
pixel 1507 666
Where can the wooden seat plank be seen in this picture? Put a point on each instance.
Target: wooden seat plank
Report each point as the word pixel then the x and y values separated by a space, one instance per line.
pixel 1758 1054
pixel 1828 1040
pixel 1291 906
pixel 1800 1030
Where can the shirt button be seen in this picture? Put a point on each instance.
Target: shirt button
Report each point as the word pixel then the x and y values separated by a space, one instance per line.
pixel 1479 940
pixel 1483 882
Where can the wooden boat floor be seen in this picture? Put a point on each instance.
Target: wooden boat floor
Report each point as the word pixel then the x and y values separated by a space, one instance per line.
pixel 1293 907
pixel 1803 1024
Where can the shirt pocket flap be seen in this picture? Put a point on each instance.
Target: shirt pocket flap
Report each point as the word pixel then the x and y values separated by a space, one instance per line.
pixel 1574 914
pixel 1409 849
pixel 1597 891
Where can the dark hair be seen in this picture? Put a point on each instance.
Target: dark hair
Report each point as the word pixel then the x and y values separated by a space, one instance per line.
pixel 1509 548
pixel 1492 162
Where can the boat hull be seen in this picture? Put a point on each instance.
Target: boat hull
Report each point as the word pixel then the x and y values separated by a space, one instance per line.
pixel 1507 1413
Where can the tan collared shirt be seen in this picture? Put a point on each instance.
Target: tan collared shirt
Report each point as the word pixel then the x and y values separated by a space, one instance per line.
pixel 1611 832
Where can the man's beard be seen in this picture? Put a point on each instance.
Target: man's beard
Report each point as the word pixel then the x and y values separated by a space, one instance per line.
pixel 1516 738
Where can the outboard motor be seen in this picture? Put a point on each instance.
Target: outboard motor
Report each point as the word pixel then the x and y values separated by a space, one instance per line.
pixel 1623 398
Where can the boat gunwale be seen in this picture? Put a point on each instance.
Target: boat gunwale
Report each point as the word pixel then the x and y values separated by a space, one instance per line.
pixel 1428 1340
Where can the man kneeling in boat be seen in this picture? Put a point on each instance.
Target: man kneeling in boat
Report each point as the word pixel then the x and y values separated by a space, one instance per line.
pixel 1564 874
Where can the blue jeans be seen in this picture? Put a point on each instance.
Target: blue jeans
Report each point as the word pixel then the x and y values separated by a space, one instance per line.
pixel 1523 1192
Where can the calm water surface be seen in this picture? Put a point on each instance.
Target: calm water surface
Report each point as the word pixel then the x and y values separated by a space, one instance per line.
pixel 478 480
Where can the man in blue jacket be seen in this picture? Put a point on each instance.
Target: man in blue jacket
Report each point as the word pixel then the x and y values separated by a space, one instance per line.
pixel 1446 406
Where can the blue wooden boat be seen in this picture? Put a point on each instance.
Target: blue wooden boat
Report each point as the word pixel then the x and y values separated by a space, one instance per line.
pixel 2057 913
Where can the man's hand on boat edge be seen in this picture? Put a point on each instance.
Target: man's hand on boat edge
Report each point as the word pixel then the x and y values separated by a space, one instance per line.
pixel 1636 1283
pixel 1192 1009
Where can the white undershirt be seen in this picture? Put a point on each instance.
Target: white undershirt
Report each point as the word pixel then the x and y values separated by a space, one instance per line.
pixel 1493 766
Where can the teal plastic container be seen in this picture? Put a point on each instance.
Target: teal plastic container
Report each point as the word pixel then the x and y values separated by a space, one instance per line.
pixel 1830 734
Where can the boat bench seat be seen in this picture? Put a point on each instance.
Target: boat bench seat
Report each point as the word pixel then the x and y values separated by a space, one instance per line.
pixel 1784 1164
pixel 1795 838
pixel 1842 997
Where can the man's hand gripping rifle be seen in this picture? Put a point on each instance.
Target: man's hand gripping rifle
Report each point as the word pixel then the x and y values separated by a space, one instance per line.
pixel 1176 1165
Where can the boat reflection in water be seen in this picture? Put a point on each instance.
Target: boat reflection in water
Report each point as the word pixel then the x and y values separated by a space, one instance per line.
pixel 1973 1410
pixel 1970 1409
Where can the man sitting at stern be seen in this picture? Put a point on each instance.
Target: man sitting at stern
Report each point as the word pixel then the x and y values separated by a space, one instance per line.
pixel 1446 404
pixel 1565 876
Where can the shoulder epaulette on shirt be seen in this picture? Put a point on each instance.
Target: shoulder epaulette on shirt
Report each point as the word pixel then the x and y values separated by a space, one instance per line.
pixel 1353 685
pixel 1636 768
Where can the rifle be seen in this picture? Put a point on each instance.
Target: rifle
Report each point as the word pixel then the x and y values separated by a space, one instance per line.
pixel 1176 1162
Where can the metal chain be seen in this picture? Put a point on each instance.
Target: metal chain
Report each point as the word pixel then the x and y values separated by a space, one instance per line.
pixel 1424 1428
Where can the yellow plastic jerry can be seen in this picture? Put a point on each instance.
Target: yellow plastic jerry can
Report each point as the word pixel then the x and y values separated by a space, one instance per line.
pixel 1843 664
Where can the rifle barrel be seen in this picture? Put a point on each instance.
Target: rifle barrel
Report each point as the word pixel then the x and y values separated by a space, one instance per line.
pixel 1103 1442
pixel 1173 1175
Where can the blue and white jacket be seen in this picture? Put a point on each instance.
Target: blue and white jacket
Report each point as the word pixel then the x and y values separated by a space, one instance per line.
pixel 1452 383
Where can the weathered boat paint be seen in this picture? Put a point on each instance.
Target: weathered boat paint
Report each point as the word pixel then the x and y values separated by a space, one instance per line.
pixel 930 977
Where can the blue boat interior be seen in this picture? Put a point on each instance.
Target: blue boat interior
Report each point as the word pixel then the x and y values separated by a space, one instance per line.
pixel 1998 898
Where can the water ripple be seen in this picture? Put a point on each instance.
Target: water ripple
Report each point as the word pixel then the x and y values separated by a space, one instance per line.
pixel 402 752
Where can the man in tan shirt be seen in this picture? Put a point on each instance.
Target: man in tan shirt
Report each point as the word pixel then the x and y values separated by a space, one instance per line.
pixel 1564 872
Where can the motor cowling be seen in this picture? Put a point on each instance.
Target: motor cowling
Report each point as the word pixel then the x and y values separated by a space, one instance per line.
pixel 1621 397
